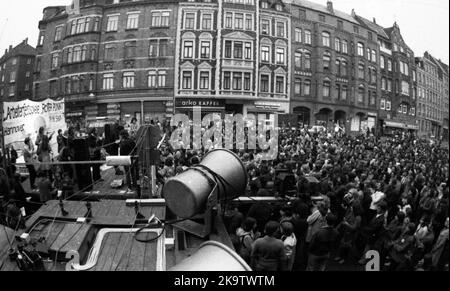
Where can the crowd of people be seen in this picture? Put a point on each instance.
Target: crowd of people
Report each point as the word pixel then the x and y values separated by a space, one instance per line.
pixel 339 196
pixel 349 195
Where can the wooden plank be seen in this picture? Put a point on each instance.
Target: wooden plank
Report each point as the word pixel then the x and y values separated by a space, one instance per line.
pixel 115 209
pixel 70 238
pixel 146 202
pixel 136 259
pixel 122 246
pixel 55 229
pixel 109 249
pixel 150 254
pixel 101 208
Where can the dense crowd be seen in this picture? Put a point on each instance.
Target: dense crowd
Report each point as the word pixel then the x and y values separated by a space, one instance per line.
pixel 339 196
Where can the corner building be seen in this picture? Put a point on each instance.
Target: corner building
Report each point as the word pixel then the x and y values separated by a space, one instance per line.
pixel 110 60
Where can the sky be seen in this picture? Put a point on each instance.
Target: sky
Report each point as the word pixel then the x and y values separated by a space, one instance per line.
pixel 424 23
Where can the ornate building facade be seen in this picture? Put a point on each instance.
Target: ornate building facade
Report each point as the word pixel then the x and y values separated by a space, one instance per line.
pixel 109 59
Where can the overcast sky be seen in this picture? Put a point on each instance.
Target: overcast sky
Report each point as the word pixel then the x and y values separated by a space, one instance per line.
pixel 424 23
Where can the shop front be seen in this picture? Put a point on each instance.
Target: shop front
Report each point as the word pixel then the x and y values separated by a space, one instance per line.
pixel 207 106
pixel 266 111
pixel 391 128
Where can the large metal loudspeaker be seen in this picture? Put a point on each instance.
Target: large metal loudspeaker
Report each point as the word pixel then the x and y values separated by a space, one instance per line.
pixel 198 192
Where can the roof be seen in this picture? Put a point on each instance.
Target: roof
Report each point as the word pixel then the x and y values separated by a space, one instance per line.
pixel 23 49
pixel 373 26
pixel 323 9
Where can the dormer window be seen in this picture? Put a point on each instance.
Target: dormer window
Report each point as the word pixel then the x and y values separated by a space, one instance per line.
pixel 264 4
pixel 278 7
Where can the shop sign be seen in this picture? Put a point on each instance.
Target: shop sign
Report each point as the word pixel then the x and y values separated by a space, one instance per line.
pixel 267 105
pixel 189 103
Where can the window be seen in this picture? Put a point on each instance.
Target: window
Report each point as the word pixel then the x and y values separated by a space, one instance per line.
pixel 326 39
pixel 41 38
pixel 264 5
pixel 204 80
pixel 344 68
pixel 372 98
pixel 112 23
pixel 130 49
pixel 360 49
pixel 297 86
pixel 237 81
pixel 361 95
pixel 326 89
pixel 165 18
pixel 207 21
pixel 128 80
pixel 228 48
pixel 389 62
pixel 27 88
pixel 226 80
pixel 307 37
pixel 298 60
pixel 388 105
pixel 248 22
pixel 383 104
pixel 374 56
pixel 382 60
pixel 412 111
pixel 373 75
pixel 326 61
pixel 361 74
pixel 265 54
pixel 298 35
pixel 307 60
pixel 338 67
pixel 189 21
pixel 280 29
pixel 58 33
pixel 405 88
pixel 163 47
pixel 279 84
pixel 337 44
pixel 29 61
pixel 264 83
pixel 12 77
pixel 321 18
pixel 205 49
pixel 265 26
pixel 389 85
pixel 152 79
pixel 340 24
pixel 55 58
pixel 383 84
pixel 278 7
pixel 344 47
pixel 239 21
pixel 28 74
pixel 238 50
pixel 307 88
pixel 133 21
pixel 344 93
pixel 228 20
pixel 110 51
pixel 12 90
pixel 188 51
pixel 356 29
pixel 248 51
pixel 280 55
pixel 338 91
pixel 187 80
pixel 247 81
pixel 108 82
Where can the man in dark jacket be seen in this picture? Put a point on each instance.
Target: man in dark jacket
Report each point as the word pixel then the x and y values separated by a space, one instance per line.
pixel 321 245
pixel 268 253
pixel 127 148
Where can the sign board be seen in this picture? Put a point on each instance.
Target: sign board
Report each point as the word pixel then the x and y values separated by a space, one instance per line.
pixel 24 118
pixel 191 102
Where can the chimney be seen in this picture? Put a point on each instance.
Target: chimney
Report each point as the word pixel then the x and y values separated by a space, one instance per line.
pixel 374 20
pixel 353 12
pixel 10 48
pixel 330 6
pixel 25 41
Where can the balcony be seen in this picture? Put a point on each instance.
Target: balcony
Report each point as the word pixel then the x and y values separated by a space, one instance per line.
pixel 247 64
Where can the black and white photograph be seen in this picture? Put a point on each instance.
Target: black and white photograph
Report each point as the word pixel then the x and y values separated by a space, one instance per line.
pixel 234 136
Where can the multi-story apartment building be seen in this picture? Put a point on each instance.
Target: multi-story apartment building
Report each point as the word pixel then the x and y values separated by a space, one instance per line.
pixel 233 57
pixel 335 76
pixel 109 59
pixel 16 72
pixel 432 108
pixel 397 103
